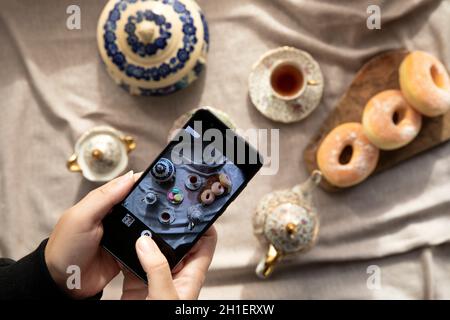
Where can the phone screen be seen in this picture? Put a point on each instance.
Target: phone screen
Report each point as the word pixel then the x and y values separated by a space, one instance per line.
pixel 183 191
pixel 178 198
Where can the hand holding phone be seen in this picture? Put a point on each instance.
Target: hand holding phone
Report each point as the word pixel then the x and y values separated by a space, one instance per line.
pixel 74 246
pixel 73 255
pixel 183 191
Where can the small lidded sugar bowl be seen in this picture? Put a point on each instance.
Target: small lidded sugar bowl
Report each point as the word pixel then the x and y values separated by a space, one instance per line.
pixel 101 154
pixel 153 47
pixel 287 223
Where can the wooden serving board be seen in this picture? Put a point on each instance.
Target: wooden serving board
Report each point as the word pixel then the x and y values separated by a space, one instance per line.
pixel 379 74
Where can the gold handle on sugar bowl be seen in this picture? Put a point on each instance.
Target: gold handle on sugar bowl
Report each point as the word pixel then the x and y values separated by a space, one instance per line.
pixel 130 143
pixel 72 164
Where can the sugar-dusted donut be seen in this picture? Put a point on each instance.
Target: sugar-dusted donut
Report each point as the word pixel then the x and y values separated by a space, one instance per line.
pixel 389 121
pixel 346 157
pixel 225 182
pixel 425 83
pixel 207 197
pixel 217 189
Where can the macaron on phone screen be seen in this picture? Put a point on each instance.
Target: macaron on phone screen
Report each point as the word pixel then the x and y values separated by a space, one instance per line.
pixel 186 188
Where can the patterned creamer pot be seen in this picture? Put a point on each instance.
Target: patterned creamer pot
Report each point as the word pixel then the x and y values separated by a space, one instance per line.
pixel 286 222
pixel 153 47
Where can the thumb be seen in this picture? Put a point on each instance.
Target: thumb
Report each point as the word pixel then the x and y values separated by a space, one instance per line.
pixel 100 201
pixel 160 282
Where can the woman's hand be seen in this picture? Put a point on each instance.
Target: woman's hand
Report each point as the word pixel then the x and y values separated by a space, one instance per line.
pixel 184 282
pixel 76 240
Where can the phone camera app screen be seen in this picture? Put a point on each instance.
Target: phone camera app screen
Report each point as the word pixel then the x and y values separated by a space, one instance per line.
pixel 180 195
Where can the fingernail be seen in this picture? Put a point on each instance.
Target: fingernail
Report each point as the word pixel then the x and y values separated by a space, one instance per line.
pixel 137 175
pixel 146 244
pixel 127 176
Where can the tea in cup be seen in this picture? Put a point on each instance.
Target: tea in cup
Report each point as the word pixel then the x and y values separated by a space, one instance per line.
pixel 287 80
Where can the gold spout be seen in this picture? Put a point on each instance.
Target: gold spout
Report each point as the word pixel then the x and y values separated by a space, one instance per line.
pixel 305 189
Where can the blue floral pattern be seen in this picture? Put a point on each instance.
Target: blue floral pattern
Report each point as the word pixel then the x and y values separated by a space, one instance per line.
pixel 155 73
pixel 206 30
pixel 183 83
pixel 148 49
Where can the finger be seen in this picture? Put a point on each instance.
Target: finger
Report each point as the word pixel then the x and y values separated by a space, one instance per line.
pixel 201 255
pixel 210 235
pixel 160 282
pixel 192 276
pixel 127 274
pixel 178 267
pixel 131 281
pixel 136 176
pixel 133 288
pixel 101 200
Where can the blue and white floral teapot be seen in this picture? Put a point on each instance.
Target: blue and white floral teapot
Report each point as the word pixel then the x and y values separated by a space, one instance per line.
pixel 153 47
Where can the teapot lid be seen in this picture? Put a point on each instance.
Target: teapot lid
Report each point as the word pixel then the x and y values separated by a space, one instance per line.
pixel 150 46
pixel 291 228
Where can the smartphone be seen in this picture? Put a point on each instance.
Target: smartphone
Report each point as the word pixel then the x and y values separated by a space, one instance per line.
pixel 182 193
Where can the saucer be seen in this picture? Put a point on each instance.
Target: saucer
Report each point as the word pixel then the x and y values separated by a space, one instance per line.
pixel 275 108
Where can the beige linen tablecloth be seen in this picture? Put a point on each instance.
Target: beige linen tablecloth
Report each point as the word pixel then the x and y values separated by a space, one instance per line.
pixel 53 88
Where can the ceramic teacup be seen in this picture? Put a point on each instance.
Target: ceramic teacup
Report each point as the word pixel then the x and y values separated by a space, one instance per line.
pixel 287 80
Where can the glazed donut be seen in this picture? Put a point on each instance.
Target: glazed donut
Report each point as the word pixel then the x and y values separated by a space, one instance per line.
pixel 217 189
pixel 346 157
pixel 207 197
pixel 389 121
pixel 425 83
